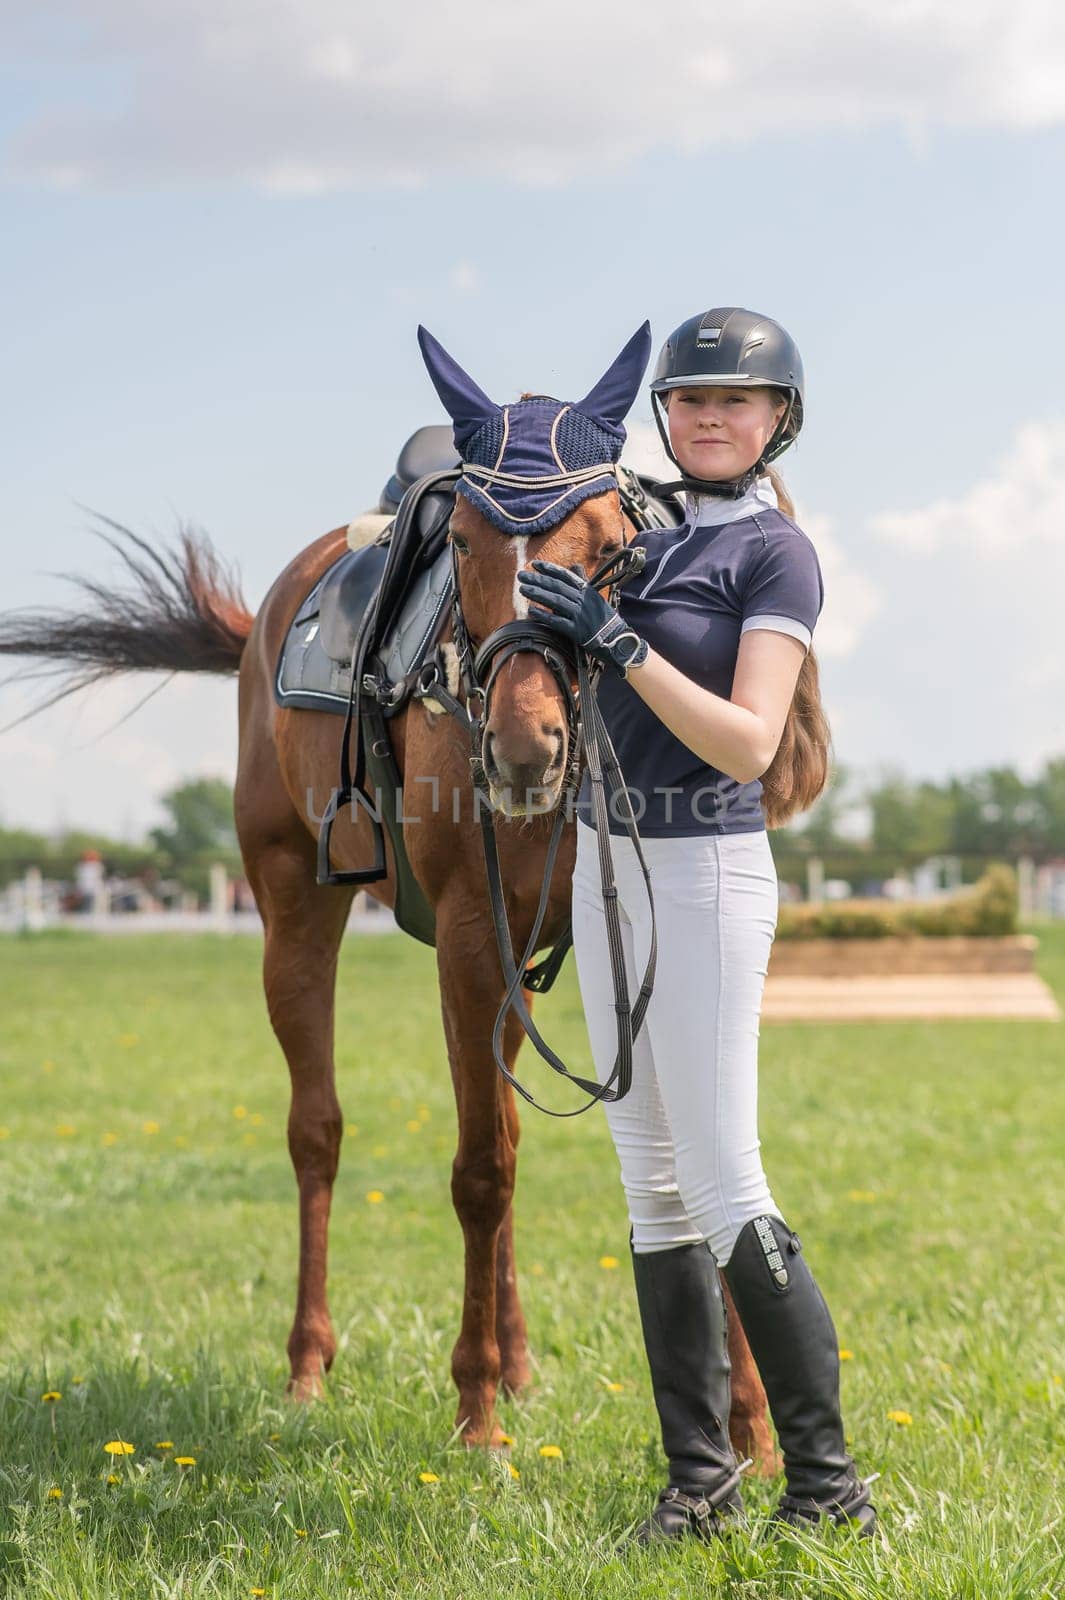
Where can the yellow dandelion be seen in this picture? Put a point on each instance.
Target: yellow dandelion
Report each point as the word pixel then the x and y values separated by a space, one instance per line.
pixel 612 1388
pixel 128 1040
pixel 65 1130
pixel 846 1355
pixel 180 1140
pixel 903 1418
pixel 109 1139
pixel 184 1461
pixel 149 1127
pixel 50 1396
pixel 414 1126
pixel 257 1591
pixel 1055 1377
pixel 5 1133
pixel 352 1129
pixel 395 1104
pixel 78 1379
pixel 118 1447
pixel 537 1270
pixel 608 1263
pixel 112 1479
pixel 506 1438
pixel 250 1138
pixel 55 1494
pixel 423 1113
pixel 301 1533
pixel 165 1444
pixel 375 1197
pixel 47 1066
pixel 862 1196
pixel 551 1452
pixel 512 1469
pixel 256 1119
pixel 240 1112
pixel 428 1477
pixel 379 1150
pixel 945 1366
pixel 274 1437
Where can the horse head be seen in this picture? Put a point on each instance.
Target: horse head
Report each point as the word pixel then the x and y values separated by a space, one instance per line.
pixel 542 473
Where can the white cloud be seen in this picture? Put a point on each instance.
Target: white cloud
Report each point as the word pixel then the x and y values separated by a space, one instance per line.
pixel 80 765
pixel 851 598
pixel 643 451
pixel 465 279
pixel 1019 507
pixel 311 95
pixel 968 652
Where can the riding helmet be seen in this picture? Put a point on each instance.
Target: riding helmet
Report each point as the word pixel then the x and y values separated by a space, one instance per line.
pixel 731 346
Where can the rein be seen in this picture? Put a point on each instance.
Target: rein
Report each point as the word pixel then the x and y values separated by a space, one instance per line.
pixel 587 731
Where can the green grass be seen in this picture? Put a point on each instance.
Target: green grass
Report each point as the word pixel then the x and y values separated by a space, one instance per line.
pixel 148 1266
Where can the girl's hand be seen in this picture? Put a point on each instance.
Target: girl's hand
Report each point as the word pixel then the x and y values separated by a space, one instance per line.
pixel 565 600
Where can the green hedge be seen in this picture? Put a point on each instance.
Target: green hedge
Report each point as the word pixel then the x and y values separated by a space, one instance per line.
pixel 987 907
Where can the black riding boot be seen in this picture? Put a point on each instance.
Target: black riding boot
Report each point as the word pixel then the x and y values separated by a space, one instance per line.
pixel 683 1316
pixel 794 1344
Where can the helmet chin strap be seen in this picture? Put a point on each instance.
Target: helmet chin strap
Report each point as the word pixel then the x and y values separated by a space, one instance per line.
pixel 723 488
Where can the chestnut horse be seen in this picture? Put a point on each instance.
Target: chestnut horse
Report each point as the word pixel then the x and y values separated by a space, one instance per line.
pixel 187 615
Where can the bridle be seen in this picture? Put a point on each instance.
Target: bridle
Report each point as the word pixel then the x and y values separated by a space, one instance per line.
pixel 479 666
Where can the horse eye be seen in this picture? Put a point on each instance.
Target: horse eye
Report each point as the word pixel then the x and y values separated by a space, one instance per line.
pixel 460 544
pixel 610 550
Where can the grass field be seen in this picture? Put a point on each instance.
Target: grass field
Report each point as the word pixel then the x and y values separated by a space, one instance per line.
pixel 148 1256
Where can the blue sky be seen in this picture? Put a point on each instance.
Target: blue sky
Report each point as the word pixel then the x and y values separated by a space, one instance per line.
pixel 212 317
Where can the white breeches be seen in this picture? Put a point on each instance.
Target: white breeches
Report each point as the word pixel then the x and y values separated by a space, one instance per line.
pixel 686 1134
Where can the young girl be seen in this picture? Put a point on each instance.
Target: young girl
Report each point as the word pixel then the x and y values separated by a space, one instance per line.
pixel 714 712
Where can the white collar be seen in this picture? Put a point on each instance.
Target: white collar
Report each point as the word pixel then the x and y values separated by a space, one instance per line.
pixel 709 510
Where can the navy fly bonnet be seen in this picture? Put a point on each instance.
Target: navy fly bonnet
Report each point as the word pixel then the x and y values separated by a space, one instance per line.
pixel 527 465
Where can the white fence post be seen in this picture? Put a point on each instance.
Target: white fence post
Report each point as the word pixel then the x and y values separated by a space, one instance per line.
pixel 219 897
pixel 32 900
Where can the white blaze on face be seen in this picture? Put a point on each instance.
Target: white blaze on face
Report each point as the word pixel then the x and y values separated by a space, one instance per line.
pixel 521 604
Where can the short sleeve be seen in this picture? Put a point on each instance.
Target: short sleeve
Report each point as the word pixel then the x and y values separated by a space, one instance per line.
pixel 784 589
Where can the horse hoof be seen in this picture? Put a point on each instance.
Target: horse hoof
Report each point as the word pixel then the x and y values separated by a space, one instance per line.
pixel 514 1384
pixel 489 1436
pixel 302 1388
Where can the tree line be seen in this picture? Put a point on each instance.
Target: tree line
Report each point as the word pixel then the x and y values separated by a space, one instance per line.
pixel 992 813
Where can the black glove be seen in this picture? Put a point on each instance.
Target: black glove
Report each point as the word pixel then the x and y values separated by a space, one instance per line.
pixel 567 602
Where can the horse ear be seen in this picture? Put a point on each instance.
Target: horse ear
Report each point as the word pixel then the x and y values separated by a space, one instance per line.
pixel 613 395
pixel 467 405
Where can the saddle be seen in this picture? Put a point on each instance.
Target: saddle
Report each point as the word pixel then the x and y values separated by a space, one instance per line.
pixel 383 608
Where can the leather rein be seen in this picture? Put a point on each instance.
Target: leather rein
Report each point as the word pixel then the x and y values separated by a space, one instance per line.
pixel 479 666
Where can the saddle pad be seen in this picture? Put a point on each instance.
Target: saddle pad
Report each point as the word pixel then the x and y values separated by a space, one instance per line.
pixel 309 679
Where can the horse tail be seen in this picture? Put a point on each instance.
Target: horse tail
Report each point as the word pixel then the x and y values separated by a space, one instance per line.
pixel 182 612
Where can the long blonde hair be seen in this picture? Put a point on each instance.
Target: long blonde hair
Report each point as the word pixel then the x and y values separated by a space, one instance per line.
pixel 799 771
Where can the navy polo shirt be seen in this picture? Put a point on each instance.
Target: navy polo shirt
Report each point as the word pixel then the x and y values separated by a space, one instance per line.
pixel 704 584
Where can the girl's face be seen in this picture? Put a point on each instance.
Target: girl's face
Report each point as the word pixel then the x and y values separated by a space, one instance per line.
pixel 719 432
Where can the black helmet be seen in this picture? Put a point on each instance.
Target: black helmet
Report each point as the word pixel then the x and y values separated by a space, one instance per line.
pixel 742 349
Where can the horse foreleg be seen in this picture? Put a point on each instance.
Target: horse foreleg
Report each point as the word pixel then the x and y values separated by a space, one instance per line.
pixel 304 927
pixel 748 1423
pixel 511 1334
pixel 482 1179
